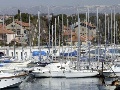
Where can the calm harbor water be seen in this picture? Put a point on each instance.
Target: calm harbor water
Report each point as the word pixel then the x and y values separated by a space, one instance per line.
pixel 60 84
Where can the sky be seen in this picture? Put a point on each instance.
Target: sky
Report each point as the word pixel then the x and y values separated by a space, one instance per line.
pixel 7 5
pixel 29 3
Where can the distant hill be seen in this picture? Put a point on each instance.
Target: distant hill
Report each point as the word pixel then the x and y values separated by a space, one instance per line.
pixel 64 9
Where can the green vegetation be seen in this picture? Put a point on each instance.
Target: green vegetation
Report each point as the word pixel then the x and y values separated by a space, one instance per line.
pixel 45 22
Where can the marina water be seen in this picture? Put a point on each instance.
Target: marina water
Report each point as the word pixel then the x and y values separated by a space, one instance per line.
pixel 60 84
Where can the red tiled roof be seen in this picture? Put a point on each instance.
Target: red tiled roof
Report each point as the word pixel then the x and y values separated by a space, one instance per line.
pixel 89 24
pixel 68 32
pixel 18 41
pixel 1 25
pixel 3 30
pixel 82 38
pixel 23 23
pixel 86 23
pixel 66 28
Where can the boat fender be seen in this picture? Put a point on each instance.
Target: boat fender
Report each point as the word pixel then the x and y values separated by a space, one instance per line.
pixel 92 69
pixel 87 67
pixel 15 74
pixel 116 82
pixel 69 70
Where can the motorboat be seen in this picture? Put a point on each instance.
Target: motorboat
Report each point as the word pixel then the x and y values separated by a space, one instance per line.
pixel 53 70
pixel 11 79
pixel 113 71
pixel 15 66
pixel 62 70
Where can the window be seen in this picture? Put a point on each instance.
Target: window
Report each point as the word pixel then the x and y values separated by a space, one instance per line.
pixel 18 32
pixel 3 36
pixel 12 25
pixel 82 29
pixel 12 53
pixel 54 51
pixel 21 55
pixel 25 53
pixel 25 31
pixel 16 53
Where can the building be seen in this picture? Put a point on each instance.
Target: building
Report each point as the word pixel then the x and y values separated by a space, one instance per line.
pixel 20 28
pixel 86 29
pixel 87 33
pixel 6 35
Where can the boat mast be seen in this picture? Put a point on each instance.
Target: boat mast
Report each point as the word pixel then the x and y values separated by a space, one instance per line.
pixel 111 26
pixel 4 34
pixel 88 37
pixel 30 37
pixel 111 34
pixel 55 40
pixel 114 32
pixel 52 42
pixel 86 30
pixel 105 36
pixel 116 36
pixel 39 48
pixel 97 23
pixel 21 37
pixel 48 44
pixel 108 31
pixel 68 36
pixel 49 25
pixel 78 59
pixel 59 34
pixel 96 40
pixel 14 36
pixel 71 37
pixel 62 38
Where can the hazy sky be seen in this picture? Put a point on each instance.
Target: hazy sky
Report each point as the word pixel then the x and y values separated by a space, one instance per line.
pixel 29 3
pixel 8 6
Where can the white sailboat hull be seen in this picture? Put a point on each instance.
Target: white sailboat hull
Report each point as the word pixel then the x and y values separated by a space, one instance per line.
pixel 78 74
pixel 13 81
pixel 53 74
pixel 111 74
pixel 66 74
pixel 41 74
pixel 58 74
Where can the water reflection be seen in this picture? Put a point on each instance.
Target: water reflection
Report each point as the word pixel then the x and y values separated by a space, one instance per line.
pixel 61 84
pixel 15 88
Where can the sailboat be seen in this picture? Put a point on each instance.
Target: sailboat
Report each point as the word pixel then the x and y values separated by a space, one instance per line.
pixel 76 73
pixel 114 70
pixel 51 70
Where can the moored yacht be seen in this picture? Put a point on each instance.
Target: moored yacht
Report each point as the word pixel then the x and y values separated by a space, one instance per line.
pixel 15 66
pixel 55 69
pixel 80 73
pixel 113 71
pixel 62 70
pixel 11 79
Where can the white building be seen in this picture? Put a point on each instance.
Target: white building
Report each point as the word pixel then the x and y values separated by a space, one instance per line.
pixel 6 35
